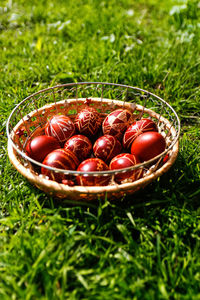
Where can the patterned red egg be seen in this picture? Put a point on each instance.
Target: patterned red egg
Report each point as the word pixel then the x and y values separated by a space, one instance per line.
pixel 80 145
pixel 40 146
pixel 61 159
pixel 125 160
pixel 117 122
pixel 89 165
pixel 106 147
pixel 148 145
pixel 61 127
pixel 88 121
pixel 136 129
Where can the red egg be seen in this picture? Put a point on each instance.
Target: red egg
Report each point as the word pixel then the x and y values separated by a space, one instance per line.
pixel 61 159
pixel 80 145
pixel 88 121
pixel 106 147
pixel 117 122
pixel 148 145
pixel 136 129
pixel 125 160
pixel 61 127
pixel 40 146
pixel 89 165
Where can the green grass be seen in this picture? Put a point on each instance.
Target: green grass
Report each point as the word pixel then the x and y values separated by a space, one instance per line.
pixel 145 246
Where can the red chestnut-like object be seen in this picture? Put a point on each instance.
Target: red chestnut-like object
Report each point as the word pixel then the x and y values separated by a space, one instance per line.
pixel 125 160
pixel 117 122
pixel 137 128
pixel 40 146
pixel 80 145
pixel 148 145
pixel 61 159
pixel 89 165
pixel 61 127
pixel 88 121
pixel 106 147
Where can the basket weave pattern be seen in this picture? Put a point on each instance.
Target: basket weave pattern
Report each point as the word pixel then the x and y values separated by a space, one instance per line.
pixel 30 116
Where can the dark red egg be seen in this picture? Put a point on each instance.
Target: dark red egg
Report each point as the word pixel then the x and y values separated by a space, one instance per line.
pixel 125 160
pixel 89 165
pixel 60 159
pixel 106 147
pixel 40 146
pixel 61 127
pixel 148 145
pixel 80 145
pixel 137 128
pixel 88 121
pixel 117 122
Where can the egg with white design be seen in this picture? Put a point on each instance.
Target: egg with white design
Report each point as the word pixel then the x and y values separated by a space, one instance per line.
pixel 137 128
pixel 88 121
pixel 117 122
pixel 106 147
pixel 60 127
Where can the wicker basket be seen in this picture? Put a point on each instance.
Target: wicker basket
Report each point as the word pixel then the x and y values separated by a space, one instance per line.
pixel 30 115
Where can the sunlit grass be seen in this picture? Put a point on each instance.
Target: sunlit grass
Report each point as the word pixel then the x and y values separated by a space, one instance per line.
pixel 145 246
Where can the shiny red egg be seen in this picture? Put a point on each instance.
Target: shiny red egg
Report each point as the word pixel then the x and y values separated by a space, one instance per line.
pixel 148 145
pixel 61 127
pixel 137 128
pixel 88 121
pixel 61 159
pixel 106 147
pixel 89 165
pixel 117 122
pixel 80 145
pixel 125 160
pixel 40 146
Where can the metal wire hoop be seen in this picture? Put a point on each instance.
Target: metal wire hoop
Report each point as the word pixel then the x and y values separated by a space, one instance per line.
pixel 63 94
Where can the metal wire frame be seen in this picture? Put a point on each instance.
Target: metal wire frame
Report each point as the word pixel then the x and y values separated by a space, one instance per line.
pixel 124 92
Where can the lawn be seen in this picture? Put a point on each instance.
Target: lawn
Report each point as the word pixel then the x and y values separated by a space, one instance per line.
pixel 144 246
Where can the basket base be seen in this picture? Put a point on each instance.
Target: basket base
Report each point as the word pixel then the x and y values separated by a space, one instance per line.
pixel 88 197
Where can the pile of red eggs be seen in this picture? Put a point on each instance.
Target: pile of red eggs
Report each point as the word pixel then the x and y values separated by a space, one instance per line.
pixel 91 144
